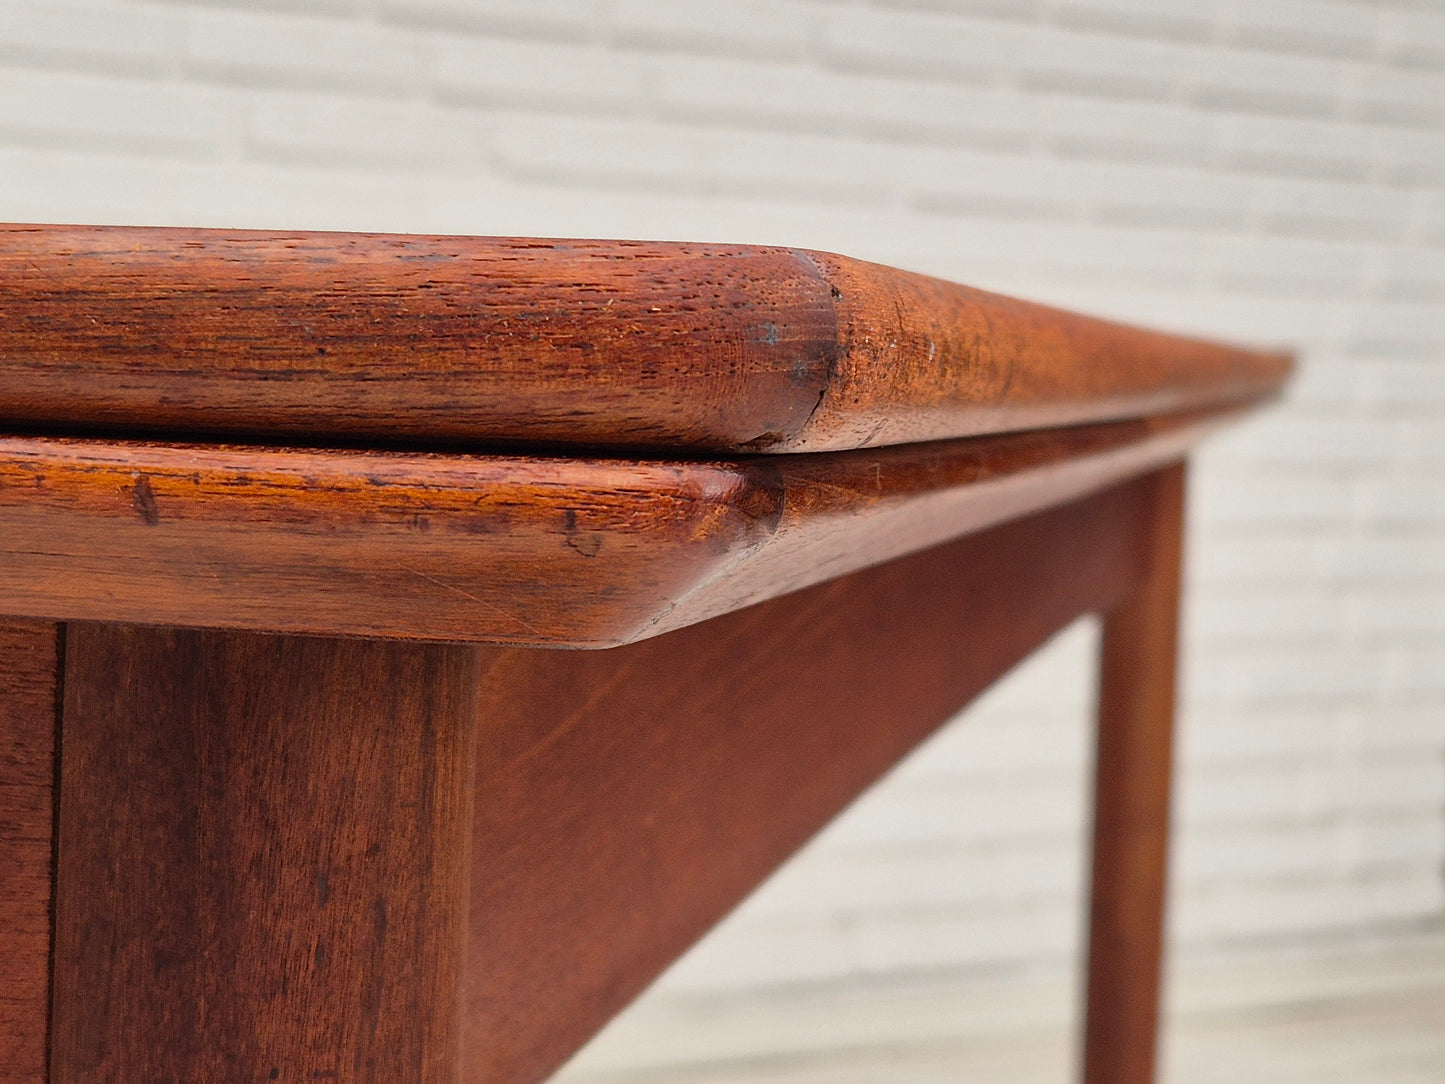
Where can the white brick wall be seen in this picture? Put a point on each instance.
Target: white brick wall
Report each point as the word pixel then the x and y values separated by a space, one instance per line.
pixel 1264 170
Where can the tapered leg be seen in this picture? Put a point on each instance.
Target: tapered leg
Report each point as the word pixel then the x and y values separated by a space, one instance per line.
pixel 262 861
pixel 1131 814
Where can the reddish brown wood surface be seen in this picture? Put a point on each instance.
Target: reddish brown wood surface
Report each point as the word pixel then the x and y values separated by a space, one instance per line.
pixel 627 799
pixel 520 549
pixel 262 869
pixel 1138 662
pixel 28 680
pixel 921 358
pixel 269 864
pixel 290 858
pixel 725 348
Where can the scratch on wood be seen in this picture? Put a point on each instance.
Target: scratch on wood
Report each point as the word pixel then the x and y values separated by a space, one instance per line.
pixel 474 598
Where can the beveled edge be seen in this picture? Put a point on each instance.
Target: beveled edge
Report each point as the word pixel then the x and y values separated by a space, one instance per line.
pixel 662 348
pixel 504 549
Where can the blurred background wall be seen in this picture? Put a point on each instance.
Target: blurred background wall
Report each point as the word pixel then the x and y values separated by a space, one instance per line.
pixel 1270 171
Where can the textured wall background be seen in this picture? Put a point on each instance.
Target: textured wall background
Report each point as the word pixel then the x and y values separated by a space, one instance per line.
pixel 1263 170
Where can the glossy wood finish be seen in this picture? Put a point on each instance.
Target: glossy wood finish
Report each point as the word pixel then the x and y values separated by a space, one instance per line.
pixel 1138 663
pixel 29 674
pixel 510 549
pixel 300 337
pixel 261 866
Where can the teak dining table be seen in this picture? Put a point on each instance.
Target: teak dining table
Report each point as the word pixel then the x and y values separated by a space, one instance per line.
pixel 297 782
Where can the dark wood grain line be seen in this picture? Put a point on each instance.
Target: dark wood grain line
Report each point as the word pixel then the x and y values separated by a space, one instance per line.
pixel 262 861
pixel 304 336
pixel 510 549
pixel 29 676
pixel 627 799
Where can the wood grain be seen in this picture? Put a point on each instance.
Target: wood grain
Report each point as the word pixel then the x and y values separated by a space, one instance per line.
pixel 262 870
pixel 292 858
pixel 920 358
pixel 1138 663
pixel 29 673
pixel 510 549
pixel 626 799
pixel 299 337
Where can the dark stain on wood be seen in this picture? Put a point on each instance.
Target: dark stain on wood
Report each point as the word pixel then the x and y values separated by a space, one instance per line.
pixel 143 500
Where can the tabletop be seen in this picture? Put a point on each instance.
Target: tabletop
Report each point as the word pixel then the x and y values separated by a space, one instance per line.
pixel 519 440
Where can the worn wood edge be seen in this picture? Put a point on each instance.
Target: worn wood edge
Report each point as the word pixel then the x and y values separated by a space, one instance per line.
pixel 417 546
pixel 299 336
pixel 921 358
pixel 497 549
pixel 845 511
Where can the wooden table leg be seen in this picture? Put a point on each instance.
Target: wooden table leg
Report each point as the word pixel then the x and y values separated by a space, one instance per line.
pixel 1131 814
pixel 262 859
pixel 29 658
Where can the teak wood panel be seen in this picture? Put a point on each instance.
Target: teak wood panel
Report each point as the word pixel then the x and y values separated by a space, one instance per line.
pixel 261 870
pixel 29 673
pixel 524 341
pixel 504 549
pixel 238 811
